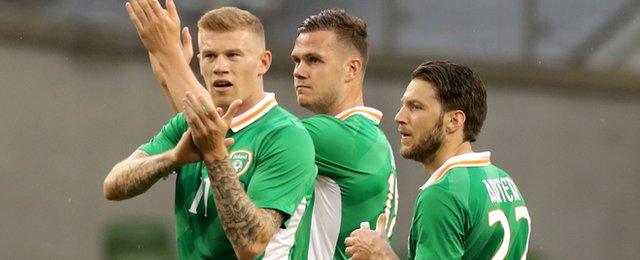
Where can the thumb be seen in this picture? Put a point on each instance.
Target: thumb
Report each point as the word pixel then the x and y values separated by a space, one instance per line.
pixel 381 224
pixel 186 37
pixel 232 110
pixel 187 48
pixel 228 142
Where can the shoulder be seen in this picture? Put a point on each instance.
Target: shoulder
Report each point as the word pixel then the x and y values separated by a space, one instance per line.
pixel 283 127
pixel 438 195
pixel 321 121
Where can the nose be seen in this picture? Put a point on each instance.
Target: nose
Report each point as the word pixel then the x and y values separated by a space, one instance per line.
pixel 299 72
pixel 220 66
pixel 400 116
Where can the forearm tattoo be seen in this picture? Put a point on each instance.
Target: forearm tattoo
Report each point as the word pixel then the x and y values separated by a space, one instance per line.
pixel 139 175
pixel 243 222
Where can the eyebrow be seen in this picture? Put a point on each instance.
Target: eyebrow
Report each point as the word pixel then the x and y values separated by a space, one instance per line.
pixel 308 55
pixel 224 51
pixel 411 100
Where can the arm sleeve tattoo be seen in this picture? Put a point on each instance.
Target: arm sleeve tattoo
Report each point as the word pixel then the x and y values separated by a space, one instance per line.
pixel 243 222
pixel 138 175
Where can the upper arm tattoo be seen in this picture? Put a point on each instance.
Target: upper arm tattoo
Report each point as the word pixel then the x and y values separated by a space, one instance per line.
pixel 138 174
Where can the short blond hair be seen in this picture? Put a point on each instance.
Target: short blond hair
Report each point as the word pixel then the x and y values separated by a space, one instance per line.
pixel 229 18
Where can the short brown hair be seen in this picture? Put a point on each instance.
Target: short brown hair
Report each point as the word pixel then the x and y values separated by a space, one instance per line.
pixel 349 29
pixel 457 88
pixel 228 18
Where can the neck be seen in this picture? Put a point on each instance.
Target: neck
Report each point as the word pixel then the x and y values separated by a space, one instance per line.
pixel 445 152
pixel 249 102
pixel 352 98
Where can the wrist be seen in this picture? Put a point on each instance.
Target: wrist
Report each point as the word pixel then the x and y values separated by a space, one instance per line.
pixel 215 156
pixel 172 159
pixel 387 252
pixel 174 51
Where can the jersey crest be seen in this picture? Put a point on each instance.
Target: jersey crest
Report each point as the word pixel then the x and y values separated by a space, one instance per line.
pixel 241 160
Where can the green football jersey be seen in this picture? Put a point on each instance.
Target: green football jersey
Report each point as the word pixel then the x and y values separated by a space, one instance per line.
pixel 469 209
pixel 356 178
pixel 273 157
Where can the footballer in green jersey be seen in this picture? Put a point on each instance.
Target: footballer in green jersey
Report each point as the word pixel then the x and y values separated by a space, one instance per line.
pixel 356 178
pixel 356 172
pixel 468 208
pixel 245 181
pixel 273 157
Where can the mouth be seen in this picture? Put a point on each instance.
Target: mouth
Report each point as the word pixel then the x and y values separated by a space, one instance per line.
pixel 300 86
pixel 404 135
pixel 222 85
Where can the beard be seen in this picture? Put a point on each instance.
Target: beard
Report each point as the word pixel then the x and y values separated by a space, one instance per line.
pixel 321 104
pixel 426 148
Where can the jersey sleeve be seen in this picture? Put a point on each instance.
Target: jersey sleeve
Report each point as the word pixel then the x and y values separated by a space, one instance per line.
pixel 439 225
pixel 285 170
pixel 168 136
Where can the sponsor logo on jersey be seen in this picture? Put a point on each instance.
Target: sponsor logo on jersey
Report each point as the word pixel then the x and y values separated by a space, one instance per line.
pixel 241 160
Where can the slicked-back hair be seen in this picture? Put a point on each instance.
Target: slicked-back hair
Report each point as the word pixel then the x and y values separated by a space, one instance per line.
pixel 349 29
pixel 228 18
pixel 457 88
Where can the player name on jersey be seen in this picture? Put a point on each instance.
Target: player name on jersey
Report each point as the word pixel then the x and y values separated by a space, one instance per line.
pixel 502 190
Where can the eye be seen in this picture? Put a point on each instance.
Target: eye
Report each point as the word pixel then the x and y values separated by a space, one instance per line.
pixel 295 60
pixel 414 106
pixel 314 60
pixel 233 55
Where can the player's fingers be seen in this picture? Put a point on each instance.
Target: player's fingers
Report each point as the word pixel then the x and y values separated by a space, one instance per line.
pixel 220 111
pixel 349 241
pixel 213 112
pixel 158 11
pixel 148 10
pixel 228 142
pixel 232 111
pixel 355 233
pixel 381 224
pixel 192 118
pixel 172 10
pixel 205 111
pixel 350 250
pixel 133 17
pixel 137 9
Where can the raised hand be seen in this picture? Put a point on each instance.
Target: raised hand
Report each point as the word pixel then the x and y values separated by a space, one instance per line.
pixel 159 29
pixel 208 127
pixel 187 53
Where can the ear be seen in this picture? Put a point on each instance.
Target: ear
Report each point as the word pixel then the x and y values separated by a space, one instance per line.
pixel 265 63
pixel 454 121
pixel 353 69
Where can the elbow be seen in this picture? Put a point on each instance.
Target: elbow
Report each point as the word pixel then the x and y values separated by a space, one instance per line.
pixel 109 190
pixel 252 251
pixel 249 253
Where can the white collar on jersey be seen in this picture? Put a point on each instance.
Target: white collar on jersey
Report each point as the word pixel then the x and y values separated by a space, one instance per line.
pixel 461 160
pixel 261 108
pixel 368 112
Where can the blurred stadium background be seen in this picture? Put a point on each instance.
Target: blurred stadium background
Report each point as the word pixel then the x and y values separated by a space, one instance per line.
pixel 563 80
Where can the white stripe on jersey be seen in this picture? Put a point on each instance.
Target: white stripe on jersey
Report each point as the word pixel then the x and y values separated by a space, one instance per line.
pixel 281 243
pixel 392 197
pixel 326 219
